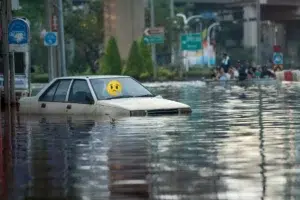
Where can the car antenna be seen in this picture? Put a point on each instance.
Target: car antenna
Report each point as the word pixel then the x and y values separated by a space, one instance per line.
pixel 112 120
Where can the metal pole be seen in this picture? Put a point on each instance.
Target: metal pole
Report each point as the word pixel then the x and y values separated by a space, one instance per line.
pixel 275 35
pixel 11 60
pixel 48 7
pixel 153 47
pixel 62 38
pixel 172 15
pixel 258 21
pixel 208 39
pixel 5 52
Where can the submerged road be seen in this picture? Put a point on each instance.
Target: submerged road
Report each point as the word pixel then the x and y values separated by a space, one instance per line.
pixel 229 148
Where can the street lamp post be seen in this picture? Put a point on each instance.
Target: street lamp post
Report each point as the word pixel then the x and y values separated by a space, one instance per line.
pixel 208 39
pixel 186 22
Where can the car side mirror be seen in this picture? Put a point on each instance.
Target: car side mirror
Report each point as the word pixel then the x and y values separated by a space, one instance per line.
pixel 89 99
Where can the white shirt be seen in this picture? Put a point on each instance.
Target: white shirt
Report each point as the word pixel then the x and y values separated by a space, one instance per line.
pixel 235 73
pixel 227 76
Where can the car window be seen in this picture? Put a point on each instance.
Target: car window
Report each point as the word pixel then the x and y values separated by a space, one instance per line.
pixel 61 91
pixel 79 91
pixel 122 87
pixel 49 93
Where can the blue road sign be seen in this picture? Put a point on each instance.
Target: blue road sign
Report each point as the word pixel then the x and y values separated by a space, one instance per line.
pixel 18 35
pixel 209 15
pixel 50 39
pixel 277 58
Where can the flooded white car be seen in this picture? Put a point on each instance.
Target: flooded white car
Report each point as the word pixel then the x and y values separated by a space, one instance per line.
pixel 99 96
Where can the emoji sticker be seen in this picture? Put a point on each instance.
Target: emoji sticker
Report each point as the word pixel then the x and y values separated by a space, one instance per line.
pixel 114 88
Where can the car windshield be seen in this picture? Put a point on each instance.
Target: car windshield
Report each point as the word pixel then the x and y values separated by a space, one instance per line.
pixel 115 88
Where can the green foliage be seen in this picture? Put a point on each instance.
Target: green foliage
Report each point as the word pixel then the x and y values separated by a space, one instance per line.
pixel 146 55
pixel 88 71
pixel 112 63
pixel 34 11
pixel 85 26
pixel 135 65
pixel 145 77
pixel 39 78
pixel 203 72
pixel 165 74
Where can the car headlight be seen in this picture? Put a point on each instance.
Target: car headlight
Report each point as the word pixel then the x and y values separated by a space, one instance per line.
pixel 185 111
pixel 136 113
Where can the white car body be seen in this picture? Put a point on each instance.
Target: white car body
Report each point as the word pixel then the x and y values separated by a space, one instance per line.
pixel 127 106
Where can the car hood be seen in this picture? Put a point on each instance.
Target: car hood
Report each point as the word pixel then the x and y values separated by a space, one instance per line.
pixel 145 103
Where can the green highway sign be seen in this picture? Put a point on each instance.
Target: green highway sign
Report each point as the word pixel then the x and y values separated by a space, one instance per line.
pixel 191 42
pixel 154 35
pixel 154 39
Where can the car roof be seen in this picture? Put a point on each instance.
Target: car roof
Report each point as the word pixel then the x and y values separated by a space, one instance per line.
pixel 92 77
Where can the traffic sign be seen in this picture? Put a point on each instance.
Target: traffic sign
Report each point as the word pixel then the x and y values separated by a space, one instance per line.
pixel 50 39
pixel 154 39
pixel 155 31
pixel 154 35
pixel 277 58
pixel 191 42
pixel 18 35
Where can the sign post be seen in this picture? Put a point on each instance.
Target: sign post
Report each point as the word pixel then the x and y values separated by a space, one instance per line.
pixel 18 41
pixel 191 42
pixel 154 35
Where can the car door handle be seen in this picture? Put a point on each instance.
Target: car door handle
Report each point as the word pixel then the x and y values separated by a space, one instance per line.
pixel 43 105
pixel 69 106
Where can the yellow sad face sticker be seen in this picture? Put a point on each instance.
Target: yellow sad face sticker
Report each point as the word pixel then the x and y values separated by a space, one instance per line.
pixel 114 88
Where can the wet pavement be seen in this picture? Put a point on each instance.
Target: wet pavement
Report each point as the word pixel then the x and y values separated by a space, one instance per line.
pixel 232 147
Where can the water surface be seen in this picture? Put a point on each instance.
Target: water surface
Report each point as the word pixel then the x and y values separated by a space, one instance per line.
pixel 233 146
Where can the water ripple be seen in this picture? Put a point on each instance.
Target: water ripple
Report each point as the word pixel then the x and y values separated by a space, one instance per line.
pixel 229 148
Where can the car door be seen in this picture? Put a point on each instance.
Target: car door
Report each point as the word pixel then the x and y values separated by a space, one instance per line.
pixel 53 100
pixel 81 99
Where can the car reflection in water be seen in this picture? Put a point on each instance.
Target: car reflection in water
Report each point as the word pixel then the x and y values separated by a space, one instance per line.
pixel 51 156
pixel 128 163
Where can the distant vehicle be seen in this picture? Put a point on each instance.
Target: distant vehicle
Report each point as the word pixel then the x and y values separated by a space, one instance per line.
pixel 99 96
pixel 22 76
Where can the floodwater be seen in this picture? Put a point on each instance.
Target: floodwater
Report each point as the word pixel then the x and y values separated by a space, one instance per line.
pixel 233 146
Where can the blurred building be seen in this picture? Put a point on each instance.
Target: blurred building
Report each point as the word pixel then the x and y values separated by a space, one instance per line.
pixel 125 20
pixel 279 19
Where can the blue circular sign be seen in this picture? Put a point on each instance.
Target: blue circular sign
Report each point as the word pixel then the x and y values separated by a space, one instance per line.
pixel 278 58
pixel 50 38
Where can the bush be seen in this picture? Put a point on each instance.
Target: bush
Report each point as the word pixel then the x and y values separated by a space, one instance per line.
pixel 146 55
pixel 39 78
pixel 145 76
pixel 165 74
pixel 204 72
pixel 111 63
pixel 88 71
pixel 134 66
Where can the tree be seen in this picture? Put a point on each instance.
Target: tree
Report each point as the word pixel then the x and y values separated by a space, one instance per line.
pixel 146 55
pixel 135 65
pixel 112 64
pixel 33 10
pixel 85 26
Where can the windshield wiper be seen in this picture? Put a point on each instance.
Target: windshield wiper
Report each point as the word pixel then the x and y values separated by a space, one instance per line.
pixel 146 95
pixel 120 97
